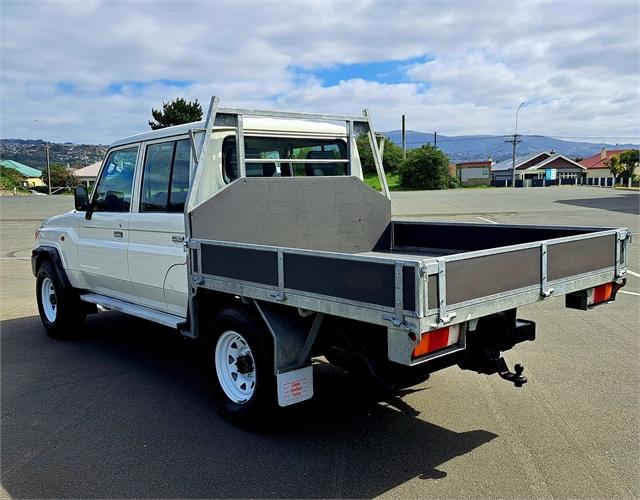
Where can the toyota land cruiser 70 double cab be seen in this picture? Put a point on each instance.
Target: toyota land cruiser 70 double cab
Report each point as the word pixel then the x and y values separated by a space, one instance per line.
pixel 254 232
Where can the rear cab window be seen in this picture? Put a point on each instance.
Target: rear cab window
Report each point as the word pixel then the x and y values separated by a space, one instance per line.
pixel 165 177
pixel 280 155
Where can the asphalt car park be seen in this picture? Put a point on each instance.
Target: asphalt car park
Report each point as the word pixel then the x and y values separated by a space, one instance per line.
pixel 125 411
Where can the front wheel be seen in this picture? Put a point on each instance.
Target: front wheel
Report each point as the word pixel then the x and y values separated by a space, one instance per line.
pixel 60 309
pixel 243 379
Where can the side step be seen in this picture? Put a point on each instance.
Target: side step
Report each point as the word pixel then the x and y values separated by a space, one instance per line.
pixel 163 318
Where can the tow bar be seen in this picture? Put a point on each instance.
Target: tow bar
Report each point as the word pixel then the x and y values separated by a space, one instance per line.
pixel 517 378
pixel 496 334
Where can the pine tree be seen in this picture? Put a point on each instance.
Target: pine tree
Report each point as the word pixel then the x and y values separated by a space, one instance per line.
pixel 176 113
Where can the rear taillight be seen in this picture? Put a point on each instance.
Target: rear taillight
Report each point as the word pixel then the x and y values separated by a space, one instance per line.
pixel 435 340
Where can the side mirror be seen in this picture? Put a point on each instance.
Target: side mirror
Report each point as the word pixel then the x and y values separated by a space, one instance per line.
pixel 81 198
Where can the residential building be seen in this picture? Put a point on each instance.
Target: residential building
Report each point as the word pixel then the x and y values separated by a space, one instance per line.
pixel 545 165
pixel 32 177
pixel 597 165
pixel 474 173
pixel 87 175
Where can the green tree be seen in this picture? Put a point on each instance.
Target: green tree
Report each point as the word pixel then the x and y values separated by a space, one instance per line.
pixel 60 176
pixel 624 164
pixel 176 113
pixel 426 167
pixel 391 157
pixel 10 178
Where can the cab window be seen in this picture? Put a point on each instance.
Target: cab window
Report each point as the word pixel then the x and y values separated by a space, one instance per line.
pixel 165 178
pixel 113 190
pixel 279 155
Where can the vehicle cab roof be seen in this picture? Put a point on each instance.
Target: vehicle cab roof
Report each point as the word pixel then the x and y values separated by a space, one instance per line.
pixel 251 125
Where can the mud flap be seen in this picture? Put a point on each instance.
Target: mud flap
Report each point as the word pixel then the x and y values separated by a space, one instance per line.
pixel 295 386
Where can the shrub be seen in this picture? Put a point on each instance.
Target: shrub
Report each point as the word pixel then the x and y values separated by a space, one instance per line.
pixel 426 168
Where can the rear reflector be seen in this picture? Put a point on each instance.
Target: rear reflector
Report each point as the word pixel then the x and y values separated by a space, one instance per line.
pixel 435 340
pixel 599 294
pixel 585 299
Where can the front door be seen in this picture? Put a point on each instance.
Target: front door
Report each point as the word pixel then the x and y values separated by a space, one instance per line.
pixel 103 239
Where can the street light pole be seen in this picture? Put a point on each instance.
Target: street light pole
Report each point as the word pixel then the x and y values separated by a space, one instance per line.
pixel 46 149
pixel 515 141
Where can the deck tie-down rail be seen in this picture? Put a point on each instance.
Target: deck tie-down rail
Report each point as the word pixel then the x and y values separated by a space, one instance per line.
pixel 444 316
pixel 545 291
pixel 623 239
pixel 397 320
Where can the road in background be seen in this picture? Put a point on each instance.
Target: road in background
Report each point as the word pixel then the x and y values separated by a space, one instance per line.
pixel 125 412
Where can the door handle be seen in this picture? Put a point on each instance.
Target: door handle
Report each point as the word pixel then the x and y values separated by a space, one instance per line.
pixel 118 234
pixel 176 238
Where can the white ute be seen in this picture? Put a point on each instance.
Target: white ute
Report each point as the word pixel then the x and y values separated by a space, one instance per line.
pixel 254 232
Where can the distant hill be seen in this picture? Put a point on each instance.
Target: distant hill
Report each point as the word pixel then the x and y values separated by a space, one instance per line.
pixel 458 148
pixel 32 153
pixel 478 147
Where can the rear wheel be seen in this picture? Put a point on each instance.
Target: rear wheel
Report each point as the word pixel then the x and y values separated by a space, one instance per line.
pixel 60 309
pixel 242 371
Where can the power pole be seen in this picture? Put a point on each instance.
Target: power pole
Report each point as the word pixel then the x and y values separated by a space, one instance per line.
pixel 404 138
pixel 515 141
pixel 435 139
pixel 46 149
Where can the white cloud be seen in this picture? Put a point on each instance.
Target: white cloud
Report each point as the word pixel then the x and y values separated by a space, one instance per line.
pixel 576 63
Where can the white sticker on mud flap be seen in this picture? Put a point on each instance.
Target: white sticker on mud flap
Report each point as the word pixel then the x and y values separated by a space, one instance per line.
pixel 295 386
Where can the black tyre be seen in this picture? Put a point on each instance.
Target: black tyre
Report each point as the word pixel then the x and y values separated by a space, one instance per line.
pixel 60 309
pixel 240 350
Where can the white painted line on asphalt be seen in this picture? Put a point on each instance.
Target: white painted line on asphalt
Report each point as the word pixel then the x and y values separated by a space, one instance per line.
pixel 633 273
pixel 629 293
pixel 15 258
pixel 486 220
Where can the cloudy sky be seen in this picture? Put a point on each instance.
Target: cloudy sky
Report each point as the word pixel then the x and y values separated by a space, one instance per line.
pixel 91 70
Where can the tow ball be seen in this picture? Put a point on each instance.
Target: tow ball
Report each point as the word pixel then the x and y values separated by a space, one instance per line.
pixel 517 378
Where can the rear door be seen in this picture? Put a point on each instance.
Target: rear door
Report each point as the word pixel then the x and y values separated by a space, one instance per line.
pixel 103 239
pixel 156 253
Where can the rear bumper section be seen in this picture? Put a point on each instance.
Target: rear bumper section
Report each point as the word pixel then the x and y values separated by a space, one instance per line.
pixel 592 297
pixel 492 334
pixel 522 331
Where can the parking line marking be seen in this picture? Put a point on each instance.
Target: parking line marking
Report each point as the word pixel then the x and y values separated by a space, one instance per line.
pixel 629 293
pixel 486 220
pixel 632 273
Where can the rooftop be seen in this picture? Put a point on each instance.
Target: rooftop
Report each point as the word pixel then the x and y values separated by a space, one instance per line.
pixel 597 161
pixel 23 169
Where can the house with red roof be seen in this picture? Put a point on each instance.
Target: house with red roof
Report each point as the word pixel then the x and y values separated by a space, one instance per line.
pixel 538 166
pixel 597 165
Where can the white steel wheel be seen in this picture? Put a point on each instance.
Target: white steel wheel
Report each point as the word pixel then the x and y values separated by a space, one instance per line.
pixel 49 300
pixel 235 367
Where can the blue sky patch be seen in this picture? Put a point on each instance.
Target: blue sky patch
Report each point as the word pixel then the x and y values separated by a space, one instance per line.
pixel 119 87
pixel 65 87
pixel 390 72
